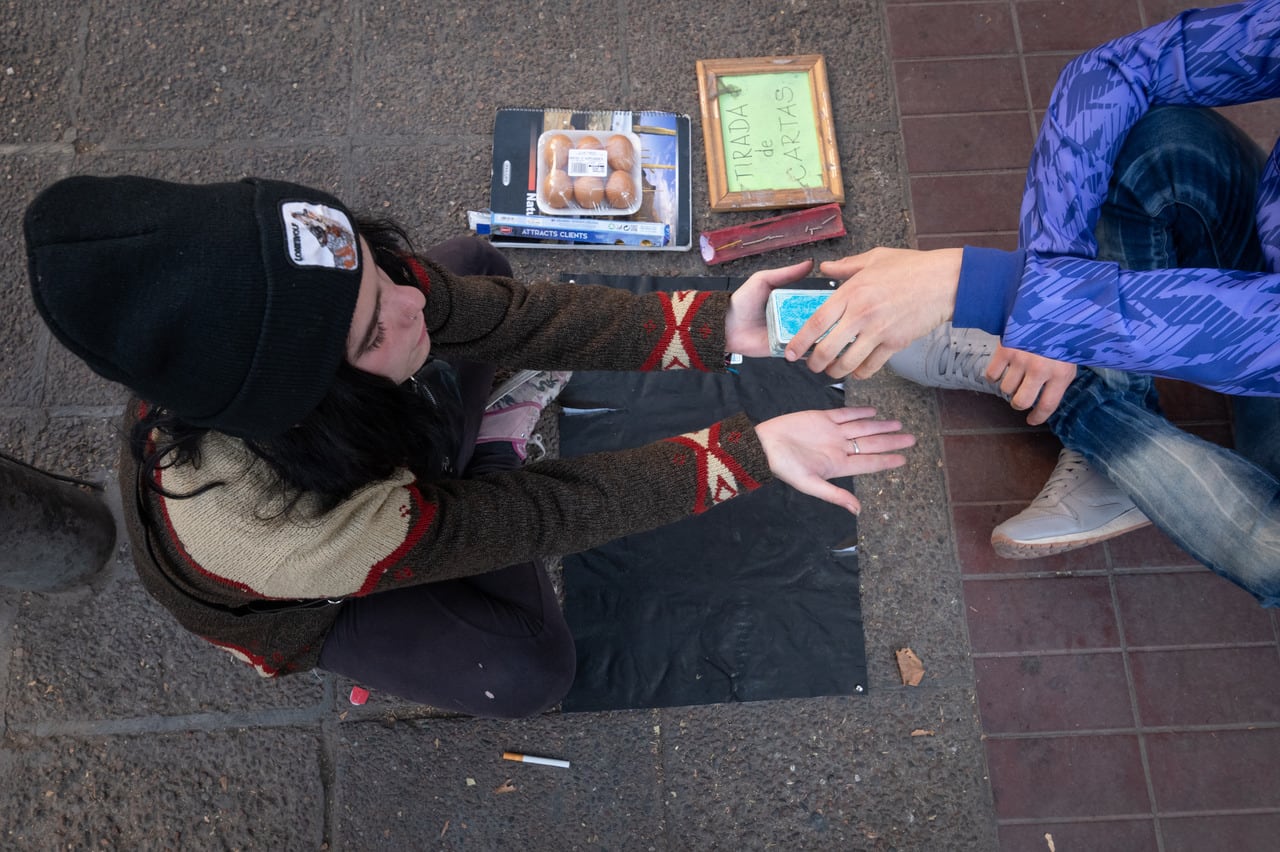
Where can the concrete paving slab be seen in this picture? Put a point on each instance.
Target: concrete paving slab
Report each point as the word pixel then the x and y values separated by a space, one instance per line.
pixel 91 655
pixel 218 71
pixel 817 774
pixel 23 338
pixel 36 90
pixel 428 187
pixel 429 70
pixel 911 595
pixel 443 783
pixel 317 165
pixel 226 789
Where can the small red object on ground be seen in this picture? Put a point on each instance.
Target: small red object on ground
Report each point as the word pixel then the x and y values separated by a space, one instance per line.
pixel 359 695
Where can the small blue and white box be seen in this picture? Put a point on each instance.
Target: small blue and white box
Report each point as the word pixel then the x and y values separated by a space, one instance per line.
pixel 785 313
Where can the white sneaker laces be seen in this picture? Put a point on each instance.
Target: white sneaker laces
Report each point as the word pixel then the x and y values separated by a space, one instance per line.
pixel 967 362
pixel 1071 466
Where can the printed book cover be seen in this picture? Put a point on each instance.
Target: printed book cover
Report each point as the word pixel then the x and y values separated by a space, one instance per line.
pixel 519 213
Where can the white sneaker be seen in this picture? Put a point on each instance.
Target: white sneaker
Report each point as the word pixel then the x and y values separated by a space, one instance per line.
pixel 1077 506
pixel 949 357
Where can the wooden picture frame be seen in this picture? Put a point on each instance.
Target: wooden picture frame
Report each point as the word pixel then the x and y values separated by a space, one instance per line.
pixel 769 133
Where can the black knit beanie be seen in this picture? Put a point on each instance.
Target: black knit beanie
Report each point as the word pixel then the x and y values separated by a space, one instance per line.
pixel 226 304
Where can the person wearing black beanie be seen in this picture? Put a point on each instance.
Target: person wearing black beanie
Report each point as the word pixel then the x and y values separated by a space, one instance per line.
pixel 316 475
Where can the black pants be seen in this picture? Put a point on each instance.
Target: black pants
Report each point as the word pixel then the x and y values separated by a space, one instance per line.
pixel 491 645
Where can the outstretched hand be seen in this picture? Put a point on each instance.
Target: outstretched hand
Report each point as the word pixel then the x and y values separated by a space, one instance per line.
pixel 1030 381
pixel 807 448
pixel 745 331
pixel 889 298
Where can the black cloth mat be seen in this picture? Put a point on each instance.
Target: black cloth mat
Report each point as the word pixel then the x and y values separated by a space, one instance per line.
pixel 745 602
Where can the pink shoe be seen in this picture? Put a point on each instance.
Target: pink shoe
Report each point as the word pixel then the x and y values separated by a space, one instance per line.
pixel 516 406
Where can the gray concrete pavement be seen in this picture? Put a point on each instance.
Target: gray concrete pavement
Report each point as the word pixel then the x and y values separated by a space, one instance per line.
pixel 121 731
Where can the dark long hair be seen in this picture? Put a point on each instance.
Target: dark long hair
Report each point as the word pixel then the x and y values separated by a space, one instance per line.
pixel 364 429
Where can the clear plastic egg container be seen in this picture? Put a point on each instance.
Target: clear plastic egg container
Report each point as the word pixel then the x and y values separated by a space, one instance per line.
pixel 589 173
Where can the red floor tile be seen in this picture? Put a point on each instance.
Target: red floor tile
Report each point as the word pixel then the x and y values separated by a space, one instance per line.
pixel 1207 687
pixel 965 409
pixel 959 29
pixel 959 85
pixel 1059 692
pixel 1192 608
pixel 1148 547
pixel 998 468
pixel 1183 401
pixel 979 141
pixel 1239 833
pixel 1259 120
pixel 1067 776
pixel 1215 770
pixel 1040 615
pixel 1214 686
pixel 967 202
pixel 1107 836
pixel 1075 26
pixel 1042 74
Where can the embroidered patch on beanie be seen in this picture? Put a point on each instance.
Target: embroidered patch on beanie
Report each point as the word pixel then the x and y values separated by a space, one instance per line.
pixel 316 235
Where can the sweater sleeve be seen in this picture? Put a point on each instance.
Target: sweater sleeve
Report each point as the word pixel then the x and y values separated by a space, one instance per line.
pixel 401 532
pixel 1214 327
pixel 544 325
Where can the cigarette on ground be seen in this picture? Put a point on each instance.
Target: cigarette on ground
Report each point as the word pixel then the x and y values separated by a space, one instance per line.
pixel 528 758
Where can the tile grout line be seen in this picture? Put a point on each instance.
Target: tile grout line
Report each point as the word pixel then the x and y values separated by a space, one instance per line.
pixel 1068 573
pixel 1139 730
pixel 1105 818
pixel 1112 649
pixel 964 624
pixel 961 173
pixel 1015 22
pixel 904 173
pixel 1082 733
pixel 329 747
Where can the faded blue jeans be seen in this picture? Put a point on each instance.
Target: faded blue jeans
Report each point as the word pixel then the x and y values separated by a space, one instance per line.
pixel 1183 195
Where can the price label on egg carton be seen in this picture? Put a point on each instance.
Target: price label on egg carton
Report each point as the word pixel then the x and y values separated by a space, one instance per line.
pixel 588 162
pixel 589 173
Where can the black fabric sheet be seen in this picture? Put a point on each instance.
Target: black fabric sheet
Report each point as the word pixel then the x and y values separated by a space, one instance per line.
pixel 745 602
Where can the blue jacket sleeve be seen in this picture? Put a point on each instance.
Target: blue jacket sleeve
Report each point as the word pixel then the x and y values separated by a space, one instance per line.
pixel 1218 328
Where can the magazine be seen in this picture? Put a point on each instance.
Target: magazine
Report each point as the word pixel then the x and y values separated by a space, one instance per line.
pixel 519 215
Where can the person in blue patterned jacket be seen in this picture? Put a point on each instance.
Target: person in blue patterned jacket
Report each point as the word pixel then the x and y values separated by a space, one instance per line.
pixel 1149 246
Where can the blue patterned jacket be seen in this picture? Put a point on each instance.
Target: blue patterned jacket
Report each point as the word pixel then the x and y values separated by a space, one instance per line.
pixel 1215 327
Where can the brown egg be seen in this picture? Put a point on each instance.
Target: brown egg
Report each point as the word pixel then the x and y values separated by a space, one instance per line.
pixel 589 142
pixel 622 155
pixel 555 150
pixel 589 191
pixel 620 190
pixel 557 188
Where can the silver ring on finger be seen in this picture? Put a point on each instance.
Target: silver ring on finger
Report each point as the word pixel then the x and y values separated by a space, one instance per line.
pixel 854 443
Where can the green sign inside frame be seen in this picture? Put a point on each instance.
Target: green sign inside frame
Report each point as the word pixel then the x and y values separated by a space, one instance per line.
pixel 769 135
pixel 769 132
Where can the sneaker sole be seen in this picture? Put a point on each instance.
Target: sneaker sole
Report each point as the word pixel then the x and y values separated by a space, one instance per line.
pixel 1009 548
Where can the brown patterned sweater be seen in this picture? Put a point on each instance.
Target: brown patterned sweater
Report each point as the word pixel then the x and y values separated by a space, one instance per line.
pixel 261 589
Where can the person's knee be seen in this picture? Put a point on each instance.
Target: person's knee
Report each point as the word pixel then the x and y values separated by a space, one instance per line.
pixel 484 259
pixel 470 256
pixel 536 683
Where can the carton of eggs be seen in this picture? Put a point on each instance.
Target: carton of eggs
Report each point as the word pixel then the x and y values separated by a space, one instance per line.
pixel 588 173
